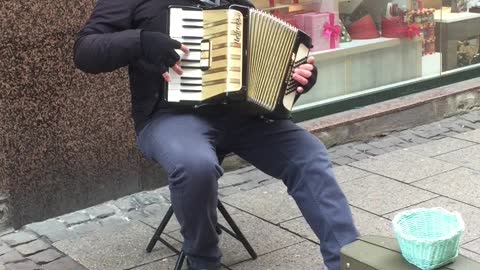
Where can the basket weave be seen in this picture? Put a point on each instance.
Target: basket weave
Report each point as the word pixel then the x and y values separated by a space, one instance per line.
pixel 429 237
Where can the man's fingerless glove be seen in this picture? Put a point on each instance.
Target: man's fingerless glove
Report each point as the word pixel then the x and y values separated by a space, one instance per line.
pixel 159 50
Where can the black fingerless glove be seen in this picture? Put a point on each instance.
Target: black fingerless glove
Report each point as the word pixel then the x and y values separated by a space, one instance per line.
pixel 311 81
pixel 159 50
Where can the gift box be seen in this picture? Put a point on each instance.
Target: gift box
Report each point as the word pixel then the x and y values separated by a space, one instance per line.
pixel 323 28
pixel 364 28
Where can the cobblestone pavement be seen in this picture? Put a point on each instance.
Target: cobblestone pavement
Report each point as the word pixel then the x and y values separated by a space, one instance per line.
pixel 432 165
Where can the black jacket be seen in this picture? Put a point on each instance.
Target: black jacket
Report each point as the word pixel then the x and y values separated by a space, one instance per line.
pixel 111 39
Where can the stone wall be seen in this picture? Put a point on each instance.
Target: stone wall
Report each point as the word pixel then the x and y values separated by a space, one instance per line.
pixel 67 137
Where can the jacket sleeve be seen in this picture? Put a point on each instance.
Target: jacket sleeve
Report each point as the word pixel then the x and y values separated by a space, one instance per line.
pixel 107 41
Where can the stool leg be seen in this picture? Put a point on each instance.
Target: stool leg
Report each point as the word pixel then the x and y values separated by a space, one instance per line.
pixel 180 259
pixel 237 231
pixel 160 229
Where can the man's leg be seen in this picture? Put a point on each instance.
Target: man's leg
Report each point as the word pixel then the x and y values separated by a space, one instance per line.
pixel 285 151
pixel 183 145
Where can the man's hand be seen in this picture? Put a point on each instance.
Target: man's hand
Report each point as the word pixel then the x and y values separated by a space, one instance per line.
pixel 305 75
pixel 159 53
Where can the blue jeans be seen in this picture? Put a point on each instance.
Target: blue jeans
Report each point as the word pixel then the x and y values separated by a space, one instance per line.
pixel 185 145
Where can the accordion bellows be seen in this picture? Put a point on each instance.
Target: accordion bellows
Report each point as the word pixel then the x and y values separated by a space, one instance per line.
pixel 237 55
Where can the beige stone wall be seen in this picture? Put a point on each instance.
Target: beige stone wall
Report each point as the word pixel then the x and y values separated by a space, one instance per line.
pixel 67 137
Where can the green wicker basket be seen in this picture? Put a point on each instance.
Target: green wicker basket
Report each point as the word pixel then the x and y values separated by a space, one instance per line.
pixel 429 237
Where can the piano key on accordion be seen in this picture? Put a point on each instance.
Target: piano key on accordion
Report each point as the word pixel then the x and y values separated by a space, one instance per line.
pixel 238 55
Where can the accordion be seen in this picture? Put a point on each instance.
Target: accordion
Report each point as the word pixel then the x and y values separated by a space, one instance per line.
pixel 240 56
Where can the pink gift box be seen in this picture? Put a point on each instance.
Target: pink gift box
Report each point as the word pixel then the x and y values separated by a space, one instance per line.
pixel 323 28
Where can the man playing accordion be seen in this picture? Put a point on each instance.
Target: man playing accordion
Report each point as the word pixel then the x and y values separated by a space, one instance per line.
pixel 185 139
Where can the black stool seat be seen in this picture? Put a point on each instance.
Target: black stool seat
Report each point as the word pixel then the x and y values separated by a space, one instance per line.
pixel 235 233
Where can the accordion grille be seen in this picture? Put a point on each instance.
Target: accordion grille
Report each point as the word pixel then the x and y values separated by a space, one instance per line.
pixel 270 54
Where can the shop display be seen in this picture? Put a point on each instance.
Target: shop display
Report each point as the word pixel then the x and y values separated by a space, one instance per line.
pixel 459 6
pixel 468 52
pixel 323 28
pixel 345 37
pixel 364 28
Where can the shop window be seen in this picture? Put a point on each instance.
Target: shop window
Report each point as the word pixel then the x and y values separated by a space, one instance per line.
pixel 365 46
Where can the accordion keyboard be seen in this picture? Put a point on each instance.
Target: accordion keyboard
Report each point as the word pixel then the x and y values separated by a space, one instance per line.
pixel 213 66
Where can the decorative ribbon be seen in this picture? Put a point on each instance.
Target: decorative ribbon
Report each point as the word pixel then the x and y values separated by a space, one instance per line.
pixel 413 31
pixel 332 31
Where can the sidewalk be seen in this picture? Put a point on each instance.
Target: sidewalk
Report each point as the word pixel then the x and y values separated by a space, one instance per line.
pixel 427 166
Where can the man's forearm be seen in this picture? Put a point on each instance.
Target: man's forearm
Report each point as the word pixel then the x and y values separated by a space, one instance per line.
pixel 105 52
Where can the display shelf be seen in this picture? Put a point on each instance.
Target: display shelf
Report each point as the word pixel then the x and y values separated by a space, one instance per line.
pixel 432 64
pixel 445 15
pixel 360 46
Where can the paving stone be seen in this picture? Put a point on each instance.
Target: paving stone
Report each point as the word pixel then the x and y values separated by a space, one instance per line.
pixel 25 265
pixel 249 185
pixel 458 127
pixel 11 257
pixel 381 195
pixel 231 179
pixel 439 147
pixel 126 204
pixel 86 228
pixel 52 229
pixel 392 148
pixel 304 255
pixel 32 247
pixel 429 131
pixel 64 263
pixel 269 181
pixel 2 267
pixel 409 137
pixel 271 203
pixel 101 211
pixel 385 142
pixel 114 222
pixel 467 157
pixel 300 226
pixel 375 152
pixel 5 231
pixel 263 236
pixel 460 184
pixel 245 169
pixel 147 198
pixel 155 214
pixel 17 238
pixel 46 256
pixel 450 133
pixel 224 192
pixel 366 223
pixel 362 147
pixel 4 248
pixel 469 214
pixel 404 165
pixel 473 246
pixel 256 175
pixel 75 218
pixel 347 173
pixel 346 152
pixel 473 117
pixel 113 250
pixel 469 254
pixel 167 263
pixel 360 156
pixel 343 161
pixel 473 136
pixel 370 224
pixel 406 144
